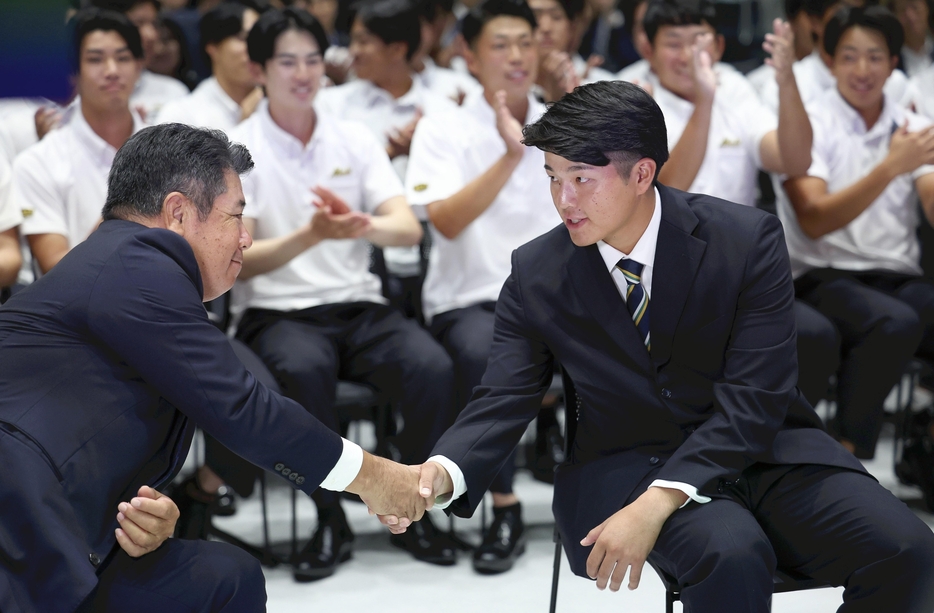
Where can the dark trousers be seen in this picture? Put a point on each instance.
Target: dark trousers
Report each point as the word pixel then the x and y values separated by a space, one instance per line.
pixel 883 319
pixel 467 335
pixel 818 351
pixel 831 524
pixel 181 576
pixel 307 352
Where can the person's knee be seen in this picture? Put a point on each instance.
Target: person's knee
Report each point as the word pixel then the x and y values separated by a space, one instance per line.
pixel 900 324
pixel 738 551
pixel 234 578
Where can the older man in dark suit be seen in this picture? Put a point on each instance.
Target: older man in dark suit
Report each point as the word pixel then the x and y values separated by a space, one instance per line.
pixel 673 315
pixel 106 365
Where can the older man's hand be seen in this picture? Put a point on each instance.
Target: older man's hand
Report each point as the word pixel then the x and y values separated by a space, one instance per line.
pixel 146 521
pixel 389 489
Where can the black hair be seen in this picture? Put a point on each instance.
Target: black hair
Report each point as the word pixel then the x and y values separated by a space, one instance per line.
pixel 261 41
pixel 90 20
pixel 121 6
pixel 488 10
pixel 392 21
pixel 660 13
pixel 430 9
pixel 172 157
pixel 873 17
pixel 815 8
pixel 628 8
pixel 185 71
pixel 600 123
pixel 220 23
pixel 572 8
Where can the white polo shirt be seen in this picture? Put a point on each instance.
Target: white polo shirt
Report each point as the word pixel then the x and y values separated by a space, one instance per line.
pixel 916 63
pixel 374 107
pixel 594 74
pixel 10 215
pixel 60 183
pixel 923 85
pixel 451 84
pixel 737 124
pixel 343 157
pixel 152 91
pixel 881 237
pixel 729 80
pixel 208 106
pixel 449 151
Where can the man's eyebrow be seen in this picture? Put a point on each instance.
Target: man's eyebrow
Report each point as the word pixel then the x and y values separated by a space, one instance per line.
pixel 580 167
pixel 549 168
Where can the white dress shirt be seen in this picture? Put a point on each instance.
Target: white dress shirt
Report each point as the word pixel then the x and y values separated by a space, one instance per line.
pixel 208 106
pixel 738 122
pixel 60 183
pixel 884 235
pixel 341 156
pixel 449 151
pixel 152 91
pixel 451 84
pixel 916 63
pixel 643 253
pixel 923 85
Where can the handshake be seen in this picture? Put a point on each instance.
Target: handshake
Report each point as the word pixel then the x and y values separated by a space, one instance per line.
pixel 399 494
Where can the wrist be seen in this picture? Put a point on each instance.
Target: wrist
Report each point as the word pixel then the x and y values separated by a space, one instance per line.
pixel 661 502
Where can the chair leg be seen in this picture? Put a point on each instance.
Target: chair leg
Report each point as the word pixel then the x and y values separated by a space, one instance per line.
pixel 670 601
pixel 555 573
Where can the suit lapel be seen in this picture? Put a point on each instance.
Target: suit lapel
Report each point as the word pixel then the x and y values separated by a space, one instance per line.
pixel 598 292
pixel 677 257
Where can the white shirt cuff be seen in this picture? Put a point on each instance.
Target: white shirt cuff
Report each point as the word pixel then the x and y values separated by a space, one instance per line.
pixel 460 484
pixel 347 468
pixel 690 490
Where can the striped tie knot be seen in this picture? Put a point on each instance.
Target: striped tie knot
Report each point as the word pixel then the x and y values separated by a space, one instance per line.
pixel 637 300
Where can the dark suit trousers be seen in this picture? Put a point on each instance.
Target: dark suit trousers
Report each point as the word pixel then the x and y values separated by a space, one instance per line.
pixel 307 352
pixel 818 351
pixel 467 335
pixel 883 318
pixel 831 524
pixel 181 576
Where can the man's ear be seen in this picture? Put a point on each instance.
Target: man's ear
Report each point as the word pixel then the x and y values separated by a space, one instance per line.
pixel 398 50
pixel 176 208
pixel 258 73
pixel 643 173
pixel 719 46
pixel 473 64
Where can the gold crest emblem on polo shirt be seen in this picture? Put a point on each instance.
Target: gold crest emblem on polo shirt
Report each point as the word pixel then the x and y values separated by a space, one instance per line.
pixel 27 213
pixel 340 172
pixel 727 142
pixel 421 187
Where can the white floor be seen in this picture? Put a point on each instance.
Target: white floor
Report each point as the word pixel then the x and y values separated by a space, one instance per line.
pixel 384 579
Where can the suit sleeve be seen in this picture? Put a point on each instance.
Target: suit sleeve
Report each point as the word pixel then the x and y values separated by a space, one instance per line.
pixel 508 399
pixel 146 308
pixel 759 375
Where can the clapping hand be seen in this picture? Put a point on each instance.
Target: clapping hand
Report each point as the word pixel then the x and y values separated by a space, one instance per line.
pixel 334 219
pixel 705 79
pixel 510 130
pixel 780 46
pixel 145 522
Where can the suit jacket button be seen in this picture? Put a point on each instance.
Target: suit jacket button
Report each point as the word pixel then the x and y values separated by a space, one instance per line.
pixel 286 472
pixel 300 480
pixel 666 393
pixel 293 476
pixel 653 460
pixel 94 559
pixel 279 466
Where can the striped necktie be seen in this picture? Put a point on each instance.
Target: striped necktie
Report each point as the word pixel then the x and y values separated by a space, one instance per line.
pixel 637 300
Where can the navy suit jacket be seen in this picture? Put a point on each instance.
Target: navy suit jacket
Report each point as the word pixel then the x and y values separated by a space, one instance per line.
pixel 717 393
pixel 106 365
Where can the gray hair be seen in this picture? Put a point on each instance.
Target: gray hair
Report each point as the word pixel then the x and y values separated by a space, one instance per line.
pixel 173 157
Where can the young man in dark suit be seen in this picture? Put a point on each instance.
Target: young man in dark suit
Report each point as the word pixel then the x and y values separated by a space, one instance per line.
pixel 673 315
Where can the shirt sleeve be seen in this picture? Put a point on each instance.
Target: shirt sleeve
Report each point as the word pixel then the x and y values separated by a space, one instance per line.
pixel 347 468
pixel 457 476
pixel 33 191
pixel 820 150
pixel 690 490
pixel 436 167
pixel 917 123
pixel 10 215
pixel 757 122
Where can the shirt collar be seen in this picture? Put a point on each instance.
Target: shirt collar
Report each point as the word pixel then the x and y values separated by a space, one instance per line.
pixel 891 115
pixel 101 151
pixel 374 94
pixel 644 251
pixel 476 104
pixel 285 141
pixel 213 89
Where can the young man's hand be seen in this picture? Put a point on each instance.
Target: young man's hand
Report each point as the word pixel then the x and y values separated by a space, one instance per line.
pixel 145 522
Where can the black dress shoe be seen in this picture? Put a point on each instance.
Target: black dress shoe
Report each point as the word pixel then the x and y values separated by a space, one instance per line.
pixel 330 545
pixel 546 454
pixel 503 542
pixel 225 502
pixel 917 464
pixel 426 543
pixel 194 509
